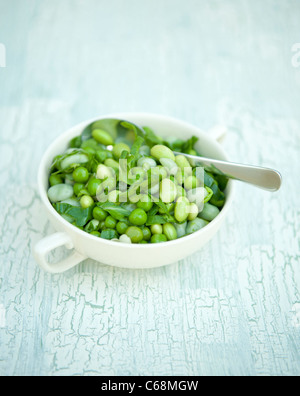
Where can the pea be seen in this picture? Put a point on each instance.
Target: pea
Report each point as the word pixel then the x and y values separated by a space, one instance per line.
pixel 159 151
pixel 77 187
pixel 95 233
pixel 110 222
pixel 119 148
pixel 121 227
pixel 81 174
pixel 147 233
pixel 99 214
pixel 93 186
pixel 86 201
pixel 158 238
pixel 135 234
pixel 145 203
pixel 102 137
pixel 156 229
pixel 55 179
pixel 138 217
pixel 170 231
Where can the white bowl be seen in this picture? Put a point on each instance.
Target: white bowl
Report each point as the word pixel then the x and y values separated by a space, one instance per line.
pixel 113 253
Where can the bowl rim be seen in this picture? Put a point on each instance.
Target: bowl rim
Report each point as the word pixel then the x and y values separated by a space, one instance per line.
pixel 83 234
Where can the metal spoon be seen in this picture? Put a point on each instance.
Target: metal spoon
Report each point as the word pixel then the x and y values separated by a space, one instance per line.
pixel 265 178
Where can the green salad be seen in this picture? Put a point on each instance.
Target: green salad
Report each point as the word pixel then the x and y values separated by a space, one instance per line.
pixel 131 187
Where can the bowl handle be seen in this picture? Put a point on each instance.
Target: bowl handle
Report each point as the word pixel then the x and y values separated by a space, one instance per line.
pixel 51 242
pixel 218 132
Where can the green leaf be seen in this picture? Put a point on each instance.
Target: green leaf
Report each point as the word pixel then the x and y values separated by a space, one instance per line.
pixel 109 234
pixel 80 216
pixel 156 219
pixel 150 137
pixel 118 212
pixel 189 144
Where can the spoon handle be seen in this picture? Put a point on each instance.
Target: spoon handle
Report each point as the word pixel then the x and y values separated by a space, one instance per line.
pixel 268 179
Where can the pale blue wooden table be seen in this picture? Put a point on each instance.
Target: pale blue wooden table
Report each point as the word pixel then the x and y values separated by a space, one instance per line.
pixel 234 307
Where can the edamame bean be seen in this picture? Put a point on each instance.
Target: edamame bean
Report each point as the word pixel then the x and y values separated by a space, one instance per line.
pixel 125 239
pixel 209 212
pixel 193 211
pixel 146 233
pixel 181 229
pixel 181 211
pixel 169 165
pixel 191 182
pixel 195 225
pixel 118 150
pixel 182 162
pixel 146 163
pixel 111 163
pixel 102 137
pixel 168 191
pixel 170 231
pixel 197 195
pixel 159 151
pixel 60 192
pixel 77 158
